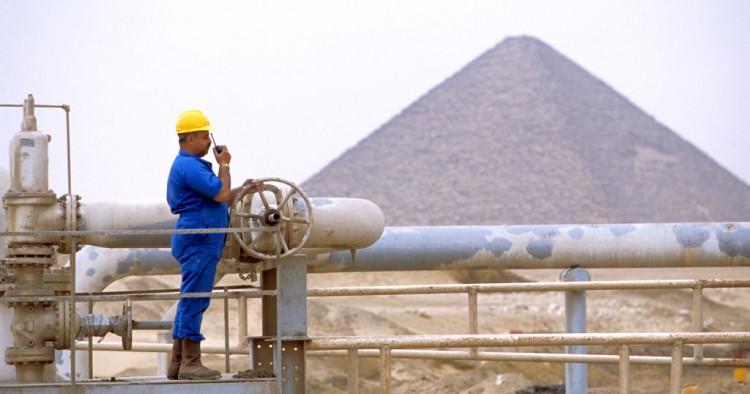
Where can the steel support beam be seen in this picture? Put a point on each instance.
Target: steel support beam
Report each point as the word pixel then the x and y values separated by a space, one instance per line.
pixel 282 347
pixel 576 374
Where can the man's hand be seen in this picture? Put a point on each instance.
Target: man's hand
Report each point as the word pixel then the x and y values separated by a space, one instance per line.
pixel 224 157
pixel 251 183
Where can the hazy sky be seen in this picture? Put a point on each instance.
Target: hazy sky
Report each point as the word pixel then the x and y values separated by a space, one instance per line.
pixel 291 85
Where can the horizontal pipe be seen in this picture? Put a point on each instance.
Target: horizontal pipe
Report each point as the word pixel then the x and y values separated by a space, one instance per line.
pixel 338 223
pixel 152 325
pixel 157 347
pixel 529 286
pixel 126 215
pixel 536 357
pixel 418 289
pixel 547 246
pixel 505 340
pixel 344 223
pixel 442 355
pixel 141 297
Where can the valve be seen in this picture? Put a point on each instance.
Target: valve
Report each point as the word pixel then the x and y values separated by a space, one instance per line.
pixel 279 218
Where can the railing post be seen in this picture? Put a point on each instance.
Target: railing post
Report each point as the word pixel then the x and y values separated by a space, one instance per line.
pixel 676 375
pixel 576 374
pixel 242 309
pixel 162 358
pixel 353 371
pixel 624 369
pixel 473 317
pixel 385 369
pixel 226 330
pixel 698 319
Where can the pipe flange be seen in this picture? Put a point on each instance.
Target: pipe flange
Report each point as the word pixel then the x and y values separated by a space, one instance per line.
pixel 30 261
pixel 29 355
pixel 127 336
pixel 13 292
pixel 29 198
pixel 30 250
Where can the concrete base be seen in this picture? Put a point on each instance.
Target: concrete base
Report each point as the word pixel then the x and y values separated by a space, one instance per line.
pixel 148 385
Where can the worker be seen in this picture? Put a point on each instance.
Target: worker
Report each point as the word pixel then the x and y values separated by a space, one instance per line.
pixel 200 198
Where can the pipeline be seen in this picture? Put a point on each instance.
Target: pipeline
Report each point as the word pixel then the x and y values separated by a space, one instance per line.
pixel 547 246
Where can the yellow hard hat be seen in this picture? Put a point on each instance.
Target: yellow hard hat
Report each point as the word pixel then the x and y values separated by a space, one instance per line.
pixel 192 120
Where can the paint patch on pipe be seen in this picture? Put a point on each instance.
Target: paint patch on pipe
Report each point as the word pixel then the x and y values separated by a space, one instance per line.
pixel 541 248
pixel 92 253
pixel 316 202
pixel 690 236
pixel 576 233
pixel 499 245
pixel 618 230
pixel 735 243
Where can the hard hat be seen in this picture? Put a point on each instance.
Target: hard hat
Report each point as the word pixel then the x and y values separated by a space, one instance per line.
pixel 192 120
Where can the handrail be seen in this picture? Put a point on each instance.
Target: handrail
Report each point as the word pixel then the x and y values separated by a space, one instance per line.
pixel 395 346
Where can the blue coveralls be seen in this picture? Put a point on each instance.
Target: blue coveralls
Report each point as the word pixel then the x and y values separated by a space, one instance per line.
pixel 191 187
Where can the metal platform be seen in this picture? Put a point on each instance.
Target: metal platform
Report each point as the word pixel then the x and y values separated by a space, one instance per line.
pixel 147 385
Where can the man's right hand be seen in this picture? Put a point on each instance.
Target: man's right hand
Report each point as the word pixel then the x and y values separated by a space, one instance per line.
pixel 224 157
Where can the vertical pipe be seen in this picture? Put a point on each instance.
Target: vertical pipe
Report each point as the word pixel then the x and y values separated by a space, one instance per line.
pixel 353 371
pixel 473 317
pixel 698 319
pixel 385 369
pixel 624 369
pixel 242 309
pixel 91 340
pixel 162 358
pixel 226 330
pixel 73 248
pixel 72 306
pixel 576 374
pixel 676 376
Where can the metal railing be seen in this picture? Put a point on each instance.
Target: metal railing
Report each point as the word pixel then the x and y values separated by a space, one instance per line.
pixel 388 347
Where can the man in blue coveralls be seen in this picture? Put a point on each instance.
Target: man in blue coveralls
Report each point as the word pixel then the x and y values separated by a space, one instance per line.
pixel 199 197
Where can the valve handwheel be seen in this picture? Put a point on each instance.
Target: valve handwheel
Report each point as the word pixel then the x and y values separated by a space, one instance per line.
pixel 280 218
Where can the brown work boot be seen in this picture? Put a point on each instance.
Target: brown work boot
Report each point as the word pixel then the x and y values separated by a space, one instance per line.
pixel 192 368
pixel 173 371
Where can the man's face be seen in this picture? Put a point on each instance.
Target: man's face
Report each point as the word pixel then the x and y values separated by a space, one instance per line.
pixel 200 143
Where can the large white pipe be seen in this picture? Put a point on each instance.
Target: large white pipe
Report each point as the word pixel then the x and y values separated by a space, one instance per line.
pixel 648 245
pixel 344 223
pixel 338 224
pixel 126 215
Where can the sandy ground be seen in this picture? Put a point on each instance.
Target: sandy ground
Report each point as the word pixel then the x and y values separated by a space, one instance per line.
pixel 540 312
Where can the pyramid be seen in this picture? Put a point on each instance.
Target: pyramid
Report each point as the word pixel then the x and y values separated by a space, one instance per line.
pixel 523 135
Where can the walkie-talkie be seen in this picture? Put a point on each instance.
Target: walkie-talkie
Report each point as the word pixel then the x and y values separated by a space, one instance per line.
pixel 219 148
